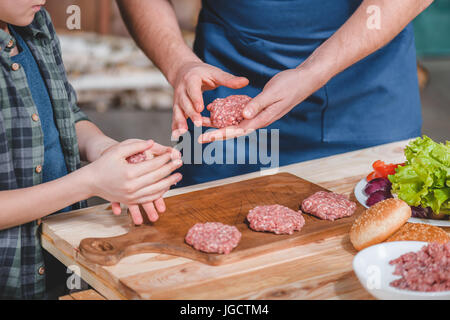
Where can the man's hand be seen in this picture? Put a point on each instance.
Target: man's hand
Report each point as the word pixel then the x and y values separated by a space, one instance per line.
pixel 191 80
pixel 283 92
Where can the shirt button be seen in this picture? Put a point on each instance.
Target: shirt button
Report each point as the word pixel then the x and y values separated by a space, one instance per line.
pixel 10 44
pixel 41 271
pixel 38 169
pixel 15 66
pixel 35 117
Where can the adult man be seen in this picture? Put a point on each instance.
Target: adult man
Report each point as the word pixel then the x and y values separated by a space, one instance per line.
pixel 331 75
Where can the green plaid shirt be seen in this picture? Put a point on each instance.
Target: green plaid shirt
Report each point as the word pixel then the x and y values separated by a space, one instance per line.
pixel 22 148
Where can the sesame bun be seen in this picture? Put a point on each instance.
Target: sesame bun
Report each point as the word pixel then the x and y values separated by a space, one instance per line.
pixel 379 222
pixel 420 232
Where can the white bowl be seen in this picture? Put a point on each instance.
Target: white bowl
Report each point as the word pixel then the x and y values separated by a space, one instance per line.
pixel 373 270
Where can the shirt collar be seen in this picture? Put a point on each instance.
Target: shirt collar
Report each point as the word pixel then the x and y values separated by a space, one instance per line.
pixel 5 41
pixel 37 29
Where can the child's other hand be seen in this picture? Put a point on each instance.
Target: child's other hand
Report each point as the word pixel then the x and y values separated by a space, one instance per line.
pixel 114 179
pixel 152 208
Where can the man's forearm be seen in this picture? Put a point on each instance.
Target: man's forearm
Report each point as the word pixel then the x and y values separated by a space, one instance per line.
pixel 24 205
pixel 355 40
pixel 154 26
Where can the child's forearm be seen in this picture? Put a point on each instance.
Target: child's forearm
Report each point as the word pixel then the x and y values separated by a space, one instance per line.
pixel 91 141
pixel 24 205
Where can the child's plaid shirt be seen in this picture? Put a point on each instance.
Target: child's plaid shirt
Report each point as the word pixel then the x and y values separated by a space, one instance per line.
pixel 22 148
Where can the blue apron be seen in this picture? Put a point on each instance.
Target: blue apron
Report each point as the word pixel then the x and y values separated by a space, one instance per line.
pixel 373 102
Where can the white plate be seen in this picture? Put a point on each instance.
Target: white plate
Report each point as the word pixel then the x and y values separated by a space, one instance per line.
pixel 362 197
pixel 373 270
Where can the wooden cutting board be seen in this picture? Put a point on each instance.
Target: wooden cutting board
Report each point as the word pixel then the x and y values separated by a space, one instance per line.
pixel 228 204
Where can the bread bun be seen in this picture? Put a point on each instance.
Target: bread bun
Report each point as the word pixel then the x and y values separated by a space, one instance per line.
pixel 379 222
pixel 420 232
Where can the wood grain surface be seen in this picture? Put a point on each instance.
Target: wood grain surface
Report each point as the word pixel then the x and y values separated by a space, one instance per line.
pixel 321 269
pixel 83 295
pixel 228 204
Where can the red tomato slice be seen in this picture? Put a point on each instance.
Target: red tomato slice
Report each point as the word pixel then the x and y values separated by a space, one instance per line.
pixel 384 169
pixel 378 165
pixel 372 176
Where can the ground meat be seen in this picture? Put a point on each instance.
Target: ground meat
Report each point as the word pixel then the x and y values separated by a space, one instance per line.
pixel 228 112
pixel 427 270
pixel 213 237
pixel 275 218
pixel 138 157
pixel 328 205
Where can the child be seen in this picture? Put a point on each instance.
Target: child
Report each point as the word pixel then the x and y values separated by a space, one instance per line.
pixel 43 135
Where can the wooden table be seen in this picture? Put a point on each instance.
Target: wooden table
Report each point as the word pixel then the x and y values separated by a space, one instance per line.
pixel 321 270
pixel 83 295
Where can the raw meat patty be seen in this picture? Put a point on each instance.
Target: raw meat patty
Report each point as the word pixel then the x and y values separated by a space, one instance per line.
pixel 136 158
pixel 426 270
pixel 227 112
pixel 275 218
pixel 213 237
pixel 328 205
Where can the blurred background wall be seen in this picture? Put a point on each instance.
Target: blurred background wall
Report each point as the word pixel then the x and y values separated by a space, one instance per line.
pixel 432 30
pixel 117 85
pixel 103 16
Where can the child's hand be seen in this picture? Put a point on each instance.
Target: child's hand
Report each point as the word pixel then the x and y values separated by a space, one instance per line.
pixel 153 208
pixel 114 179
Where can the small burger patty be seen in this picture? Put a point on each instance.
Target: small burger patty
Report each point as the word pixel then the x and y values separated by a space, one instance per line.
pixel 275 218
pixel 427 270
pixel 213 237
pixel 228 111
pixel 138 157
pixel 328 205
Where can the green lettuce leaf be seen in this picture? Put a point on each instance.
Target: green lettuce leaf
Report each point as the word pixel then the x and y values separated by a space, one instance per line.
pixel 425 178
